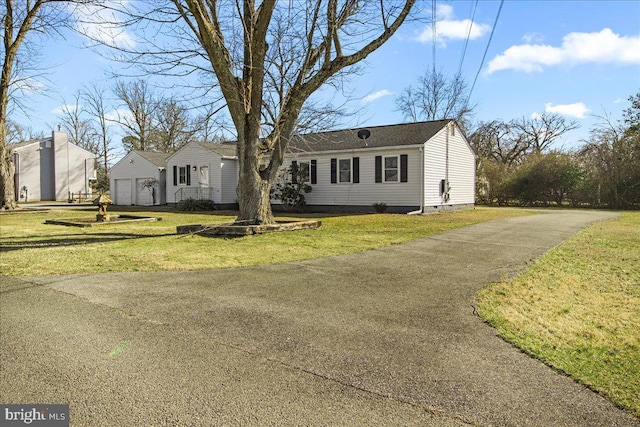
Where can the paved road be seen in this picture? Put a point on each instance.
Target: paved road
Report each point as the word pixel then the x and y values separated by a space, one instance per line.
pixel 386 337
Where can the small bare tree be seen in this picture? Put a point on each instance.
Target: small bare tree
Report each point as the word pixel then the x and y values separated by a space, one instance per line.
pixel 94 99
pixel 79 129
pixel 436 96
pixel 612 158
pixel 497 141
pixel 18 133
pixel 142 104
pixel 173 126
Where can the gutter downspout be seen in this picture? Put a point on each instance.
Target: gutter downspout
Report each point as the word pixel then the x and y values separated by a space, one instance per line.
pixel 422 173
pixel 447 196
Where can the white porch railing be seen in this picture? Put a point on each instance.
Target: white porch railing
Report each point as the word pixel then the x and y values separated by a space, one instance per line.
pixel 195 193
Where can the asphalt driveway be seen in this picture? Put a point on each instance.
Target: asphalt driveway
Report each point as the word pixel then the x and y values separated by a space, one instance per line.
pixel 386 337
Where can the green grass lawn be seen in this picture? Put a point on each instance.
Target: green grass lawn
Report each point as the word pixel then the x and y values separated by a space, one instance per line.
pixel 578 309
pixel 30 247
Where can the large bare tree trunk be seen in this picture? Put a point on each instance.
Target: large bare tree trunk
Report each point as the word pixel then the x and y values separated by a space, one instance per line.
pixel 320 56
pixel 7 170
pixel 7 184
pixel 254 180
pixel 26 16
pixel 254 199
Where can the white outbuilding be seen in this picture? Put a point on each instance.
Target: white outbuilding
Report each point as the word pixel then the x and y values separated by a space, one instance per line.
pixel 139 178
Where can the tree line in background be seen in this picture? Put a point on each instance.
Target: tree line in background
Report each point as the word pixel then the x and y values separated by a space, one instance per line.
pixel 517 163
pixel 517 166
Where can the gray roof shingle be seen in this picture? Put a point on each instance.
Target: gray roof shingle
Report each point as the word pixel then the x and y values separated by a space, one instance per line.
pixel 225 149
pixel 380 136
pixel 155 157
pixel 25 143
pixel 347 139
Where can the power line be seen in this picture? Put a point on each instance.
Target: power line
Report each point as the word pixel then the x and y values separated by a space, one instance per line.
pixel 433 33
pixel 466 42
pixel 486 50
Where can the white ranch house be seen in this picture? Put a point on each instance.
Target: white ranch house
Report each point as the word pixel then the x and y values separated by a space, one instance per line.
pixel 414 167
pixel 423 166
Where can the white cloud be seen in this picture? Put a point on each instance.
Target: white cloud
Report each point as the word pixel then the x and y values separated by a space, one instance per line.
pixel 379 94
pixel 100 22
pixel 62 109
pixel 27 85
pixel 577 110
pixel 536 116
pixel 618 101
pixel 577 48
pixel 120 114
pixel 448 28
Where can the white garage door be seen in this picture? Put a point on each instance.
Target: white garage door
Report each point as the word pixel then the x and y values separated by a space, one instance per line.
pixel 144 196
pixel 123 192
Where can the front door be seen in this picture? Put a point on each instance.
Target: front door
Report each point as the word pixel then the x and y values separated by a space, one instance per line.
pixel 204 176
pixel 204 183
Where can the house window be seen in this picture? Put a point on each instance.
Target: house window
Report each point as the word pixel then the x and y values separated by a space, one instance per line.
pixel 344 170
pixel 182 175
pixel 305 170
pixel 391 169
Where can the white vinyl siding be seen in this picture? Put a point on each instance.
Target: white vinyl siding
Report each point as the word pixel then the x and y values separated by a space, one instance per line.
pixel 366 191
pixel 462 167
pixel 196 156
pixel 32 163
pixel 460 171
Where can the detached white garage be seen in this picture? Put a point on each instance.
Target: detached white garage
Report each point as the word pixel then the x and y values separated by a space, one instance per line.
pixel 139 178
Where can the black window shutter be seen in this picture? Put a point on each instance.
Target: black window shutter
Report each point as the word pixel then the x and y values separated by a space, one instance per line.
pixel 404 162
pixel 314 171
pixel 378 168
pixel 294 172
pixel 334 171
pixel 188 174
pixel 175 175
pixel 356 170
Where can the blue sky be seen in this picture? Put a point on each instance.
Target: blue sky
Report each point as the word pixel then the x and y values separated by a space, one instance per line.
pixel 577 58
